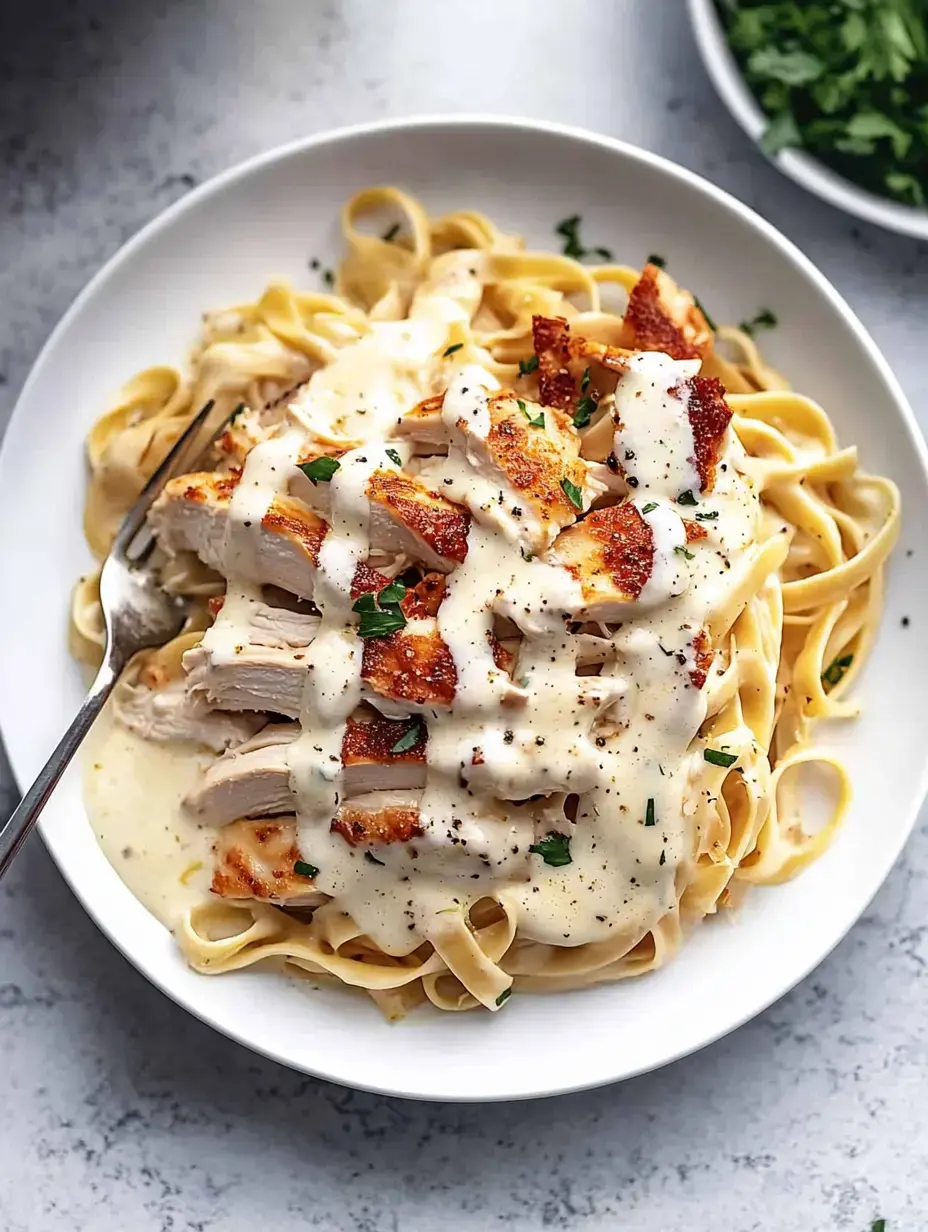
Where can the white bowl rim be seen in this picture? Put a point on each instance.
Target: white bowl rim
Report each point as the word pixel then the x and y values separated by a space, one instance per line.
pixel 720 197
pixel 801 167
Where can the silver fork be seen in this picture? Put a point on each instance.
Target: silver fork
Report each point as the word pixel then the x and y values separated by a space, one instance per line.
pixel 138 615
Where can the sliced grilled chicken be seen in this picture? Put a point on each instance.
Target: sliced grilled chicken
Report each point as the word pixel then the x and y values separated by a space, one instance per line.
pixel 662 317
pixel 412 667
pixel 407 516
pixel 379 818
pixel 255 780
pixel 528 457
pixel 266 678
pixel 424 426
pixel 251 781
pixel 614 556
pixel 257 859
pixel 167 713
pixel 192 514
pixel 574 373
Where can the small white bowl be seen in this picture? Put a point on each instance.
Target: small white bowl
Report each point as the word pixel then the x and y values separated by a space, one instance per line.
pixel 803 168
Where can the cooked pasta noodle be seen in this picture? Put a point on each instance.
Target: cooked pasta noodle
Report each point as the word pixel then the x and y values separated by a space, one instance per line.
pixel 633 734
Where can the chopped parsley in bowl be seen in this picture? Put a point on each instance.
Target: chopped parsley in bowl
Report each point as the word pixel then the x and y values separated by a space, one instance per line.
pixel 844 80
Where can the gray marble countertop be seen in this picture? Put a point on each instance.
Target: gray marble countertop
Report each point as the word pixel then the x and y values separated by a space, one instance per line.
pixel 118 1111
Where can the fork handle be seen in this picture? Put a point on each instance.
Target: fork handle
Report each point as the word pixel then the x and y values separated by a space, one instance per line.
pixel 26 814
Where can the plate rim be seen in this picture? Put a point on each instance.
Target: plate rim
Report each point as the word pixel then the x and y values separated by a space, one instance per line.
pixel 722 199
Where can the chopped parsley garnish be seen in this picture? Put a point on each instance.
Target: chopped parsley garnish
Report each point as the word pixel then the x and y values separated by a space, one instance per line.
pixel 554 849
pixel 836 669
pixel 388 237
pixel 527 366
pixel 586 407
pixel 663 858
pixel 717 758
pixel 242 406
pixel 569 230
pixel 585 381
pixel 683 551
pixel 764 319
pixel 708 517
pixel 650 507
pixel 504 996
pixel 712 325
pixel 451 349
pixel 409 740
pixel 878 1225
pixel 656 259
pixel 394 457
pixel 395 592
pixel 572 492
pixel 320 470
pixel 380 621
pixel 381 624
pixel 649 818
pixel 539 419
pixel 686 498
pixel 846 82
pixel 526 554
pixel 372 859
pixel 302 869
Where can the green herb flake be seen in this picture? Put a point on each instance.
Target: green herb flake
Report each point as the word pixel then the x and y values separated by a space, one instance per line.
pixel 878 1225
pixel 573 493
pixel 320 470
pixel 328 277
pixel 650 507
pixel 585 381
pixel 764 319
pixel 716 758
pixel 302 869
pixel 686 498
pixel 835 670
pixel 683 551
pixel 569 231
pixel 452 349
pixel 381 624
pixel 242 406
pixel 528 366
pixel 554 849
pixel 504 996
pixel 586 408
pixel 538 421
pixel 649 818
pixel 366 603
pixel 394 457
pixel 372 859
pixel 388 237
pixel 408 740
pixel 656 259
pixel 708 517
pixel 663 858
pixel 394 592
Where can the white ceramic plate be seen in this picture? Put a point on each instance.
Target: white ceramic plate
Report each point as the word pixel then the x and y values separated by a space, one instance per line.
pixel 799 166
pixel 268 217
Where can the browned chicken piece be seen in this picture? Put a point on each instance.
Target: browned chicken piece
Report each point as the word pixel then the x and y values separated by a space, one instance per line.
pixel 702 656
pixel 709 416
pixel 662 317
pixel 258 859
pixel 251 781
pixel 611 554
pixel 424 599
pixel 424 426
pixel 413 667
pixel 268 678
pixel 255 780
pixel 410 518
pixel 574 373
pixel 191 515
pixel 378 818
pixel 531 457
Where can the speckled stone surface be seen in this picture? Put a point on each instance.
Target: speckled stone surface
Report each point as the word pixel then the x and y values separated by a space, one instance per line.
pixel 118 1112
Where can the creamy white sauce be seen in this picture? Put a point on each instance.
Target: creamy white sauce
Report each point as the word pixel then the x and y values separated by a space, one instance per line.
pixel 615 744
